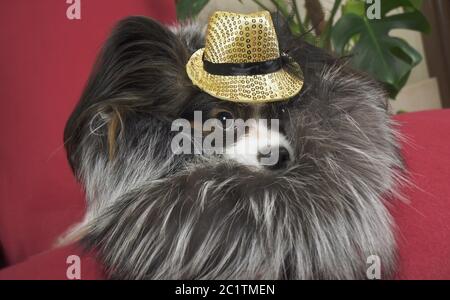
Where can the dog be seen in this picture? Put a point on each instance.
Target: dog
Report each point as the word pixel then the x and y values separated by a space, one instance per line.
pixel 318 212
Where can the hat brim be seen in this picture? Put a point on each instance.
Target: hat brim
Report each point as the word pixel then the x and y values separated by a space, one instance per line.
pixel 276 86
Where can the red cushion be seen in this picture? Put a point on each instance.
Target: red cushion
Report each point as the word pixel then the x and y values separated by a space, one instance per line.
pixel 45 60
pixel 45 64
pixel 424 222
pixel 53 265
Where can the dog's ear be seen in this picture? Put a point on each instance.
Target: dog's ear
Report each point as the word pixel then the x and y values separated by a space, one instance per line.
pixel 141 68
pixel 141 65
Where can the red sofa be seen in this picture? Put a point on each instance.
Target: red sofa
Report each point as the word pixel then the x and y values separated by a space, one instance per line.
pixel 45 60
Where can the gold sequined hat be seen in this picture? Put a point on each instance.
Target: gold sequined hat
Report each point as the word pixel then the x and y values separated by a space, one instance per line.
pixel 241 60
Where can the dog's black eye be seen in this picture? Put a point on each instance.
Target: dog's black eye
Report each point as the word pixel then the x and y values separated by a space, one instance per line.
pixel 223 116
pixel 283 110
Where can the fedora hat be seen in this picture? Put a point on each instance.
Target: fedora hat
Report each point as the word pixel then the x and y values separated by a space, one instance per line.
pixel 241 61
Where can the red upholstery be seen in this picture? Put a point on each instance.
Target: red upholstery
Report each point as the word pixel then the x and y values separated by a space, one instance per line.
pixel 52 264
pixel 45 60
pixel 424 223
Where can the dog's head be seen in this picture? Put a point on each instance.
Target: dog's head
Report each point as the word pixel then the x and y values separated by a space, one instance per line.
pixel 141 75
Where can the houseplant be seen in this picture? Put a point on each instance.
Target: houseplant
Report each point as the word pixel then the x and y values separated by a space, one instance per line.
pixel 354 32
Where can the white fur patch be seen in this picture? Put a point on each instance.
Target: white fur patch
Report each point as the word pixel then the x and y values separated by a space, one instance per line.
pixel 260 146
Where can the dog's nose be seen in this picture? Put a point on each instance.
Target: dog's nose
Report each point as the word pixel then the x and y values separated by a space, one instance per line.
pixel 283 159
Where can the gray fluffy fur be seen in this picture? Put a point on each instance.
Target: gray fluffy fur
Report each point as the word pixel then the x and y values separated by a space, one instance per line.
pixel 153 215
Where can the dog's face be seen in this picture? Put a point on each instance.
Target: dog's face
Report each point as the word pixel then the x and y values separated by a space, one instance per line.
pixel 255 135
pixel 313 210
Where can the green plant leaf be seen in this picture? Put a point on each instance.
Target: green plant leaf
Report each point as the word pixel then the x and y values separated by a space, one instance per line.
pixel 388 59
pixel 407 5
pixel 417 3
pixel 187 9
pixel 356 7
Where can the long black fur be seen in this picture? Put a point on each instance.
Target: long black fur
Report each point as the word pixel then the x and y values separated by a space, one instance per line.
pixel 153 215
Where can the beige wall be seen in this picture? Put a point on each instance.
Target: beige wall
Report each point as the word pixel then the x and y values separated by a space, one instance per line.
pixel 408 99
